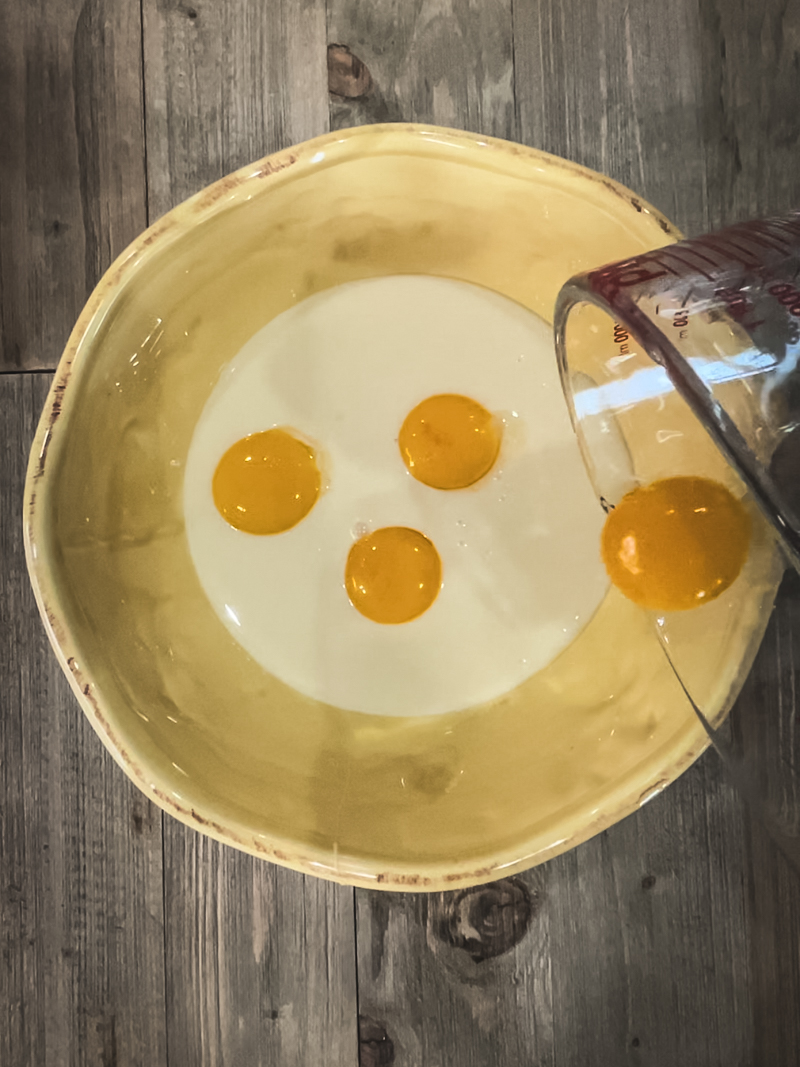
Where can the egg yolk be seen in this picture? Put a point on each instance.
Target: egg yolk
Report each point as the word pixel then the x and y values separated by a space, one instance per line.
pixel 449 441
pixel 266 483
pixel 393 575
pixel 676 543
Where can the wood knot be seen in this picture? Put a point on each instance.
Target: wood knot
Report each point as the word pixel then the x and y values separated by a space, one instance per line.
pixel 55 228
pixel 486 921
pixel 375 1048
pixel 347 75
pixel 648 881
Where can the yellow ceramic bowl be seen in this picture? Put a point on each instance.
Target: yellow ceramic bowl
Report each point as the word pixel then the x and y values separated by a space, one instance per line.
pixel 206 733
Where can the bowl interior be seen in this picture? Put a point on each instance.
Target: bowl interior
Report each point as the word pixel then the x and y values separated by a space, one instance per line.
pixel 196 722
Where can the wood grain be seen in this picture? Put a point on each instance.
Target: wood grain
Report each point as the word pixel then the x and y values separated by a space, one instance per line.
pixel 773 950
pixel 72 182
pixel 657 907
pixel 260 961
pixel 227 83
pixel 82 964
pixel 750 122
pixel 693 106
pixel 448 62
pixel 438 1000
pixel 636 952
pixel 618 88
pixel 766 742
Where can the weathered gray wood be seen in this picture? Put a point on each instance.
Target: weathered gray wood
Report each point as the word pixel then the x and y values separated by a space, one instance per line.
pixel 72 186
pixel 82 963
pixel 657 906
pixel 618 87
pixel 431 988
pixel 227 83
pixel 450 63
pixel 635 952
pixel 260 961
pixel 765 738
pixel 749 116
pixel 692 105
pixel 773 950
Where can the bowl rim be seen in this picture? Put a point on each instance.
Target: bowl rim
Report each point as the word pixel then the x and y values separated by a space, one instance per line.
pixel 624 798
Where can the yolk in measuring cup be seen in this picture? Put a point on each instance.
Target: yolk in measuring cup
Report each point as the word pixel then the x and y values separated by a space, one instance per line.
pixel 676 543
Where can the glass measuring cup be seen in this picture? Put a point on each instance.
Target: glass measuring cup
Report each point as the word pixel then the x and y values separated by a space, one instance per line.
pixel 708 330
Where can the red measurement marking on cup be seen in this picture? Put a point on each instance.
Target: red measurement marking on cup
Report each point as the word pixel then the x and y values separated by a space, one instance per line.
pixel 687 260
pixel 787 295
pixel 738 306
pixel 749 246
pixel 630 273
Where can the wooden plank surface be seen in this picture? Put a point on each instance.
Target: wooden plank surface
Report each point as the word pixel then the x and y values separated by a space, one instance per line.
pixel 766 739
pixel 227 83
pixel 673 937
pixel 618 88
pixel 694 105
pixel 750 119
pixel 72 185
pixel 260 961
pixel 449 62
pixel 81 911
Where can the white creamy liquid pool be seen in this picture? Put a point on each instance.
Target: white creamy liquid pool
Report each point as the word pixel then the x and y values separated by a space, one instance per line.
pixel 520 561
